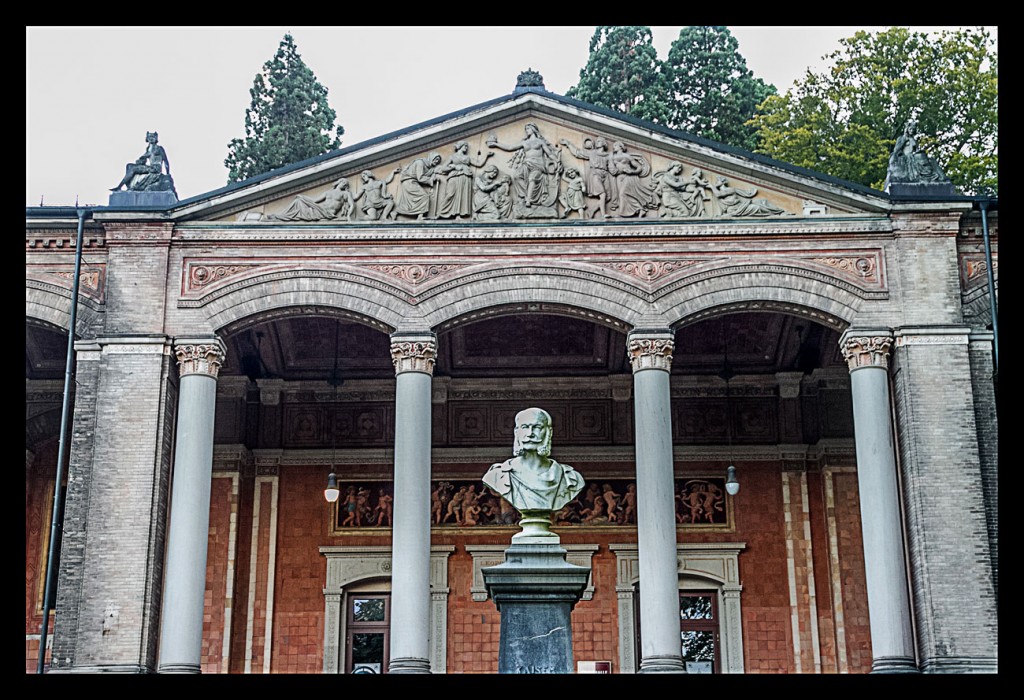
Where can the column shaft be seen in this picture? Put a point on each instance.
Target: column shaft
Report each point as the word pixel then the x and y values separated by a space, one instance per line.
pixel 181 633
pixel 892 641
pixel 656 524
pixel 410 544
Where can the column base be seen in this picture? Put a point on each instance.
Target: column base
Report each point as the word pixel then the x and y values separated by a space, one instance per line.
pixel 179 668
pixel 409 665
pixel 893 664
pixel 662 664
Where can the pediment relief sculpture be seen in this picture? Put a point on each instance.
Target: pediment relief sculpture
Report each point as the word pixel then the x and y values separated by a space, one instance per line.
pixel 589 177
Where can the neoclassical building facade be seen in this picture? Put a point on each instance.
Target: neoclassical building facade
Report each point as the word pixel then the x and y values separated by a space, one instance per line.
pixel 382 312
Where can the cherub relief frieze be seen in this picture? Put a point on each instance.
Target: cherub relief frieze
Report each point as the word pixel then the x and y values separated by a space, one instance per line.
pixel 608 181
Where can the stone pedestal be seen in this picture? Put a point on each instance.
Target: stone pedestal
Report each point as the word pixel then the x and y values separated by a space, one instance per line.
pixel 123 198
pixel 535 591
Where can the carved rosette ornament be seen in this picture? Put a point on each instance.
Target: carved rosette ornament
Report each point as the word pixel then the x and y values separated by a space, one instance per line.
pixel 867 351
pixel 205 358
pixel 651 353
pixel 413 355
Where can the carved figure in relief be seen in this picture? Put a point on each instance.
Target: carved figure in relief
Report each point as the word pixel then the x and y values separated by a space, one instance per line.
pixel 611 500
pixel 384 508
pixel 351 505
pixel 629 506
pixel 599 183
pixel 146 174
pixel 491 200
pixel 537 167
pixel 636 197
pixel 364 512
pixel 692 503
pixel 373 200
pixel 455 507
pixel 417 190
pixel 531 481
pixel 572 198
pixel 737 202
pixel 439 499
pixel 681 196
pixel 335 203
pixel 712 499
pixel 457 200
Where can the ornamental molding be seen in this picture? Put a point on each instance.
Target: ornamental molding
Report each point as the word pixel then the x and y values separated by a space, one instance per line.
pixel 654 352
pixel 932 339
pixel 651 270
pixel 415 274
pixel 63 240
pixel 974 270
pixel 199 358
pixel 91 281
pixel 502 231
pixel 345 274
pixel 413 355
pixel 867 351
pixel 797 268
pixel 200 276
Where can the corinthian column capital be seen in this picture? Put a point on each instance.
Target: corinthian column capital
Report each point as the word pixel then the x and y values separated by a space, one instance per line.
pixel 864 350
pixel 650 350
pixel 413 353
pixel 199 357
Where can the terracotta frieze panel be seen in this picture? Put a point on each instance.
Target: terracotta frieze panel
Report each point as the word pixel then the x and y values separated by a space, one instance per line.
pixel 531 170
pixel 366 506
pixel 974 270
pixel 91 281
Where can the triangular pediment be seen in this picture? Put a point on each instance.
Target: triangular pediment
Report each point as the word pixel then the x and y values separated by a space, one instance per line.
pixel 532 157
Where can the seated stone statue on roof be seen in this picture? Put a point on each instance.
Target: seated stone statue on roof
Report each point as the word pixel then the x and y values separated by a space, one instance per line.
pixel 909 165
pixel 146 174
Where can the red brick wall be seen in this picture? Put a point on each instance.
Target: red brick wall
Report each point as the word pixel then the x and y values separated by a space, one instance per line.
pixel 38 508
pixel 303 525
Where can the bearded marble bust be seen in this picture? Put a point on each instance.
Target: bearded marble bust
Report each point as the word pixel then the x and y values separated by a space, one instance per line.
pixel 532 481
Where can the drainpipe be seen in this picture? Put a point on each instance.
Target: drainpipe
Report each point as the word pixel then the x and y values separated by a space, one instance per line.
pixel 983 205
pixel 58 497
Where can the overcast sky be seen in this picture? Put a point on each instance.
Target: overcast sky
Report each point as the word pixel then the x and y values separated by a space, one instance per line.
pixel 92 93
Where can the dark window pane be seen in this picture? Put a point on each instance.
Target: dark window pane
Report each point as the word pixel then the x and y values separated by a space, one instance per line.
pixel 695 607
pixel 368 609
pixel 368 652
pixel 698 646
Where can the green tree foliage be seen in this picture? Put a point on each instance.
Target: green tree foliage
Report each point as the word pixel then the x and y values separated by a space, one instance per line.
pixel 623 73
pixel 288 120
pixel 845 120
pixel 714 93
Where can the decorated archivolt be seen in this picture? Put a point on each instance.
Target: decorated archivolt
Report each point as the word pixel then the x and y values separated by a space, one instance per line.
pixel 523 174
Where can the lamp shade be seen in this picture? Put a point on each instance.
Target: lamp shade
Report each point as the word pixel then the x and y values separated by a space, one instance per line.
pixel 732 486
pixel 331 493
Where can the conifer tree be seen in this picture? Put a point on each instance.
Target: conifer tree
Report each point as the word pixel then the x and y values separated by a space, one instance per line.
pixel 288 119
pixel 713 93
pixel 623 73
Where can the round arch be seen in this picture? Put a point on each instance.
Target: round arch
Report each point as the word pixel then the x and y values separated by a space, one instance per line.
pixel 828 300
pixel 366 300
pixel 51 306
pixel 526 289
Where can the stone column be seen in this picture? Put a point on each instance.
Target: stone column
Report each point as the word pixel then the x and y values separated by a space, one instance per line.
pixel 413 357
pixel 892 641
pixel 650 353
pixel 181 632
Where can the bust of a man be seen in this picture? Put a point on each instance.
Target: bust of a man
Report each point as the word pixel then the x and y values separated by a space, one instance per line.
pixel 532 481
